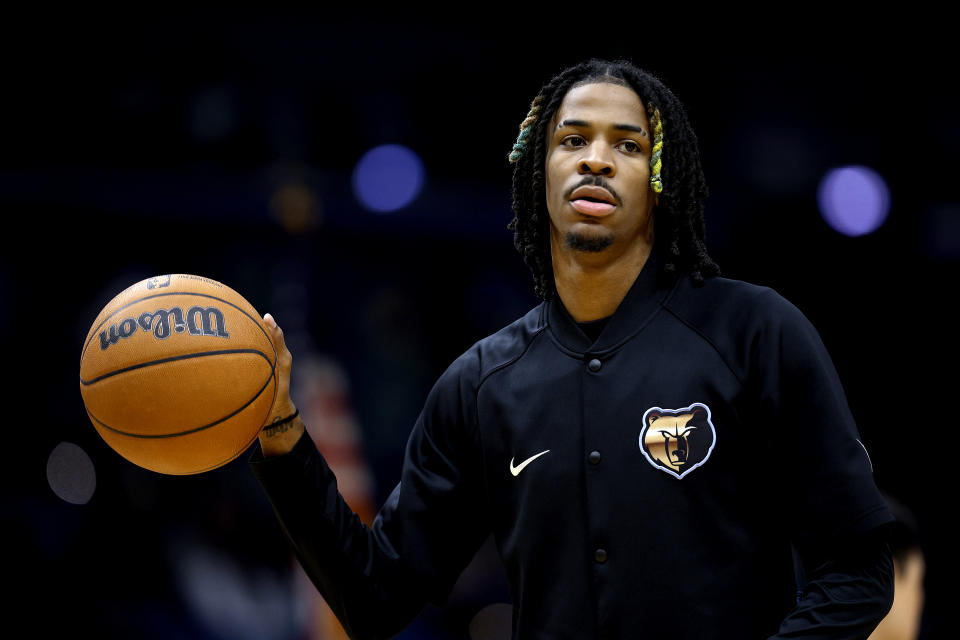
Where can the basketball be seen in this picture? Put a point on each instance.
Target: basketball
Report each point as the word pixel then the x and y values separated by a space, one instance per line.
pixel 177 374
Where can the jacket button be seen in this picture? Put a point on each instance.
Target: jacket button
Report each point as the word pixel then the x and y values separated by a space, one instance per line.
pixel 594 457
pixel 594 365
pixel 600 556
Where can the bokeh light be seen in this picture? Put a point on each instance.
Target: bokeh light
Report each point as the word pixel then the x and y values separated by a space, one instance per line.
pixel 212 115
pixel 853 200
pixel 70 473
pixel 388 178
pixel 296 206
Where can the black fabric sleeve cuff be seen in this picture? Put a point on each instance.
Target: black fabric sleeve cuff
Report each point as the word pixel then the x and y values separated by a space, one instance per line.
pixel 849 591
pixel 302 451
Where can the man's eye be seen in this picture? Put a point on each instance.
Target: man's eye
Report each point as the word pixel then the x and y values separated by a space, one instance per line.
pixel 630 146
pixel 573 141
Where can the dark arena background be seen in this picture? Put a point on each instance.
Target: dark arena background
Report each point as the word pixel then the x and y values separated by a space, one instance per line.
pixel 350 176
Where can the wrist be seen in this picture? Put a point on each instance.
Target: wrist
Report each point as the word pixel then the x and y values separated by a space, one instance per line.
pixel 283 407
pixel 280 420
pixel 282 430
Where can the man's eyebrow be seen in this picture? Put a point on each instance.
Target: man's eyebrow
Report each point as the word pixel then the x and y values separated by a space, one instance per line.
pixel 630 127
pixel 584 123
pixel 573 123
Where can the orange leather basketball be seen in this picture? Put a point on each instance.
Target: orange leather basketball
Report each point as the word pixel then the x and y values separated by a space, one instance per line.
pixel 178 374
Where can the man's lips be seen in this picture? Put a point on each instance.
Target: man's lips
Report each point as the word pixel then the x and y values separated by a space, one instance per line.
pixel 591 208
pixel 592 200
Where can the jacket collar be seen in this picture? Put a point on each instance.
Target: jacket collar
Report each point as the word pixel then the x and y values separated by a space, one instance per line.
pixel 635 311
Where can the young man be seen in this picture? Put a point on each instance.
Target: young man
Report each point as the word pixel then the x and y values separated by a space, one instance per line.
pixel 647 445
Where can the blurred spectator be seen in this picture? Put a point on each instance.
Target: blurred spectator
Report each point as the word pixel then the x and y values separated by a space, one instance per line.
pixel 903 621
pixel 323 390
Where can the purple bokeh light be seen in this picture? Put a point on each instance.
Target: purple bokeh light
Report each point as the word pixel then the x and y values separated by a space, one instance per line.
pixel 853 200
pixel 388 178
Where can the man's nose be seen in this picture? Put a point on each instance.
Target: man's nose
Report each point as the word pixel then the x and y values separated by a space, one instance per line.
pixel 598 161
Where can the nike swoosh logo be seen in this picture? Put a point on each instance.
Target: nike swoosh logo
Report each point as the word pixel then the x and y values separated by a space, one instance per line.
pixel 516 470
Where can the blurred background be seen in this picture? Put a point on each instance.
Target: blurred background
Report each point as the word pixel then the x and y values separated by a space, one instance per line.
pixel 349 175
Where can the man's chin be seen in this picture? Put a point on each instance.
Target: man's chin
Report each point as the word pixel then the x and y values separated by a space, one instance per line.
pixel 588 242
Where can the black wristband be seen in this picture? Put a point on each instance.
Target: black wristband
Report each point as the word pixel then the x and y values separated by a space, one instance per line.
pixel 284 421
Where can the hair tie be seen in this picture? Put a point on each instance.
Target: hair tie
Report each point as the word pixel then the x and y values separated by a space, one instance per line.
pixel 656 182
pixel 520 146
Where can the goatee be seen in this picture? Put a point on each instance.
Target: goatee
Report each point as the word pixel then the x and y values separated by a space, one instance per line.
pixel 588 243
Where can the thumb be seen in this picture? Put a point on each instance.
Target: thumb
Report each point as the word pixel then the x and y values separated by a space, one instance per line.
pixel 283 404
pixel 276 333
pixel 285 359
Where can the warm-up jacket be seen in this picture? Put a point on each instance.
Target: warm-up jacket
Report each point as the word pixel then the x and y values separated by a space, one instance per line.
pixel 649 484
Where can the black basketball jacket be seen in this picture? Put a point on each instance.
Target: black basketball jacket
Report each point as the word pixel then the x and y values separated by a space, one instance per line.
pixel 648 484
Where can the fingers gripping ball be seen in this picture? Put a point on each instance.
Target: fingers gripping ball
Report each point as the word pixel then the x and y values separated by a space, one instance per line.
pixel 282 406
pixel 178 374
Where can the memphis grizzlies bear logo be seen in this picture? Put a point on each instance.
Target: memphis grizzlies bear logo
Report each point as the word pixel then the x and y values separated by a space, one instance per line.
pixel 678 441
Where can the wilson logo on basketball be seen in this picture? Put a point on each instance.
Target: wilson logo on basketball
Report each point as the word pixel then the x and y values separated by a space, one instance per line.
pixel 197 321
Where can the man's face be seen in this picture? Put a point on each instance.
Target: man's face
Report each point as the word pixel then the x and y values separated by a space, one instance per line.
pixel 598 172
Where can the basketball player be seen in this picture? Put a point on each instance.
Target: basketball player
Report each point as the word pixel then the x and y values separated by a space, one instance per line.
pixel 648 446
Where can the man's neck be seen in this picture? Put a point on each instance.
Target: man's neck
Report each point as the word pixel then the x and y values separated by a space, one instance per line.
pixel 591 287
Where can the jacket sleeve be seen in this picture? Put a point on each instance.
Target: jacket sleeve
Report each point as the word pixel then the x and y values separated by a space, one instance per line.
pixel 822 470
pixel 831 508
pixel 850 590
pixel 377 579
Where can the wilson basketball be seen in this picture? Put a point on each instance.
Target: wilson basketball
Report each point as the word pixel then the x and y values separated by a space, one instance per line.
pixel 178 374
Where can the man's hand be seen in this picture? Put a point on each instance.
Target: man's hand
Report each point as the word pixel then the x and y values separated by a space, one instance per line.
pixel 280 439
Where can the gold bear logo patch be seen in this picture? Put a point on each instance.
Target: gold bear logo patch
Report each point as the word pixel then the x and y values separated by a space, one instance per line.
pixel 678 441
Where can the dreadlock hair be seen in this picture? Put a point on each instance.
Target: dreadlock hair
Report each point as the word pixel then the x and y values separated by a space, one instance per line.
pixel 679 228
